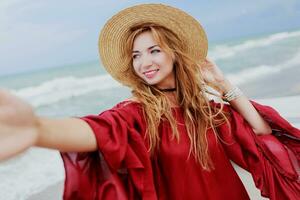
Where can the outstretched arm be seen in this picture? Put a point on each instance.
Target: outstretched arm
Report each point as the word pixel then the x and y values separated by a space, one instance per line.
pixel 213 75
pixel 67 135
pixel 20 129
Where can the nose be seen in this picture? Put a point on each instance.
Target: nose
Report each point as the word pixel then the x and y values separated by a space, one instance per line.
pixel 146 61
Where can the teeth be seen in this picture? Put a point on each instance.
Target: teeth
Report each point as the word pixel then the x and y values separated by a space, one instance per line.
pixel 151 72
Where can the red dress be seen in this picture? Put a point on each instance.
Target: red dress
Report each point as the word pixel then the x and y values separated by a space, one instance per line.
pixel 123 168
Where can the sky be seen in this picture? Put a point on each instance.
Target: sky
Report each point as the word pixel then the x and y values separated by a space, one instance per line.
pixel 50 33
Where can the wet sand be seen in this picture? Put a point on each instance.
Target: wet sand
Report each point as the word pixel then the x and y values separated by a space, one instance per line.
pixel 52 192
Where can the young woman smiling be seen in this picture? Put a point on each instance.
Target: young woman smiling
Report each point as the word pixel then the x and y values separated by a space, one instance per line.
pixel 169 140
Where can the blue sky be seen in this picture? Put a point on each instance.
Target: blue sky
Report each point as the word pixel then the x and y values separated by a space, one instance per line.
pixel 50 33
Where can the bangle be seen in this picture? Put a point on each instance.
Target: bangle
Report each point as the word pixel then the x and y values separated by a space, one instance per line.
pixel 232 94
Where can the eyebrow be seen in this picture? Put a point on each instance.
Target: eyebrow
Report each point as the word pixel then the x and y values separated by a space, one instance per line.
pixel 148 48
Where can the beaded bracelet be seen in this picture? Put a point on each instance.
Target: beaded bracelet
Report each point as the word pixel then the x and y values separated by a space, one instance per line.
pixel 232 94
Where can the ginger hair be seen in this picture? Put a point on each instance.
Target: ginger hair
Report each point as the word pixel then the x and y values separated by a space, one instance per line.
pixel 199 115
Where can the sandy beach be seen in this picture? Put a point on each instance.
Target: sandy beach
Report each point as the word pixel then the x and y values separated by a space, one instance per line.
pixel 288 107
pixel 52 192
pixel 53 59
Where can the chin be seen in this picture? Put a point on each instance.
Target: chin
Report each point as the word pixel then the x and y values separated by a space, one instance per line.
pixel 152 83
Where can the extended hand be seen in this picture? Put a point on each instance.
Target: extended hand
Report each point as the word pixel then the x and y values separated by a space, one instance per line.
pixel 18 126
pixel 213 76
pixel 211 72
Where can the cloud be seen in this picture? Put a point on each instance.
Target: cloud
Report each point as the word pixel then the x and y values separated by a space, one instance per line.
pixel 45 36
pixel 24 37
pixel 216 12
pixel 33 32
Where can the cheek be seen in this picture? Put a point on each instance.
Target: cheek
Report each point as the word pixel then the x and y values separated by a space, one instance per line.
pixel 136 69
pixel 166 59
pixel 169 64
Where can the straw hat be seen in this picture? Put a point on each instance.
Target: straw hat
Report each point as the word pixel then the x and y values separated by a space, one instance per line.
pixel 114 34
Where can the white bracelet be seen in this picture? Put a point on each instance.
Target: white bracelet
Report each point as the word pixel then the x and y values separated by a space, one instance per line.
pixel 232 94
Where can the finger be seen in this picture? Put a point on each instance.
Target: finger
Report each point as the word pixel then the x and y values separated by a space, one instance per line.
pixel 202 64
pixel 208 59
pixel 7 114
pixel 4 95
pixel 3 92
pixel 7 98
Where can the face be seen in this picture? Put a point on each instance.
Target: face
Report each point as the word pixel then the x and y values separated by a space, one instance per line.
pixel 151 62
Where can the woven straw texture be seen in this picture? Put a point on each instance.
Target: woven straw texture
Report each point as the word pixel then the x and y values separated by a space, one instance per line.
pixel 114 33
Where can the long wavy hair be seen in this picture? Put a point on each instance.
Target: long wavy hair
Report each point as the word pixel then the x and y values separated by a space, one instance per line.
pixel 199 115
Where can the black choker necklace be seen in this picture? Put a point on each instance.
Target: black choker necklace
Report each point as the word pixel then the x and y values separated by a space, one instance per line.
pixel 167 90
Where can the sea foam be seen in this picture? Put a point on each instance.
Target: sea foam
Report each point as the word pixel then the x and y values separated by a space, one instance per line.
pixel 53 91
pixel 255 72
pixel 227 51
pixel 29 173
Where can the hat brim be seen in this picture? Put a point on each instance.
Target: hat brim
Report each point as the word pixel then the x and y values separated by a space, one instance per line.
pixel 114 34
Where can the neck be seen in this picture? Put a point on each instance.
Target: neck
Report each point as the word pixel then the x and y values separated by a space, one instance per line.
pixel 167 89
pixel 170 93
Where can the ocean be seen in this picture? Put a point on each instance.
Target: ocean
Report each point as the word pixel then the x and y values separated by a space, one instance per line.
pixel 263 66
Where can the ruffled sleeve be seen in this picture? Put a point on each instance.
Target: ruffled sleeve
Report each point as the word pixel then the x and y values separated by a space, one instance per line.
pixel 273 160
pixel 104 174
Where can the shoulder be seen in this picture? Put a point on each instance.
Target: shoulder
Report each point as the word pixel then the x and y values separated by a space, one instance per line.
pixel 128 104
pixel 133 99
pixel 127 109
pixel 129 112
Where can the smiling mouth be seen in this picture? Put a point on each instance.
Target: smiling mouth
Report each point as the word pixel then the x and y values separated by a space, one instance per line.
pixel 151 73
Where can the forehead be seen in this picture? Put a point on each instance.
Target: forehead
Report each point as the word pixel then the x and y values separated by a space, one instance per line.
pixel 144 41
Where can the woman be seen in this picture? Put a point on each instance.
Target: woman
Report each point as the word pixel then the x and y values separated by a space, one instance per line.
pixel 168 141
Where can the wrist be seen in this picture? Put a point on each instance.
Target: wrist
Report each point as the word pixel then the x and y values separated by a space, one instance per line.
pixel 224 86
pixel 38 130
pixel 232 94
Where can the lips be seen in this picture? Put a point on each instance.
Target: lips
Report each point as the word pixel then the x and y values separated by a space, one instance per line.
pixel 150 73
